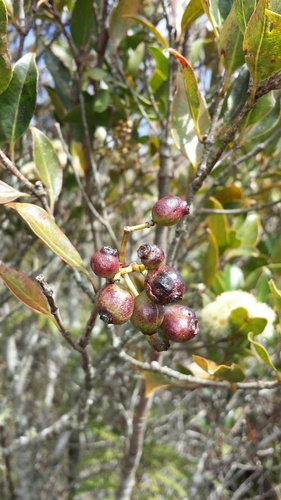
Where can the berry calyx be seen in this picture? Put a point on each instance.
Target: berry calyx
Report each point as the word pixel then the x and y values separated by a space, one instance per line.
pixel 158 342
pixel 105 262
pixel 164 285
pixel 147 315
pixel 169 210
pixel 115 304
pixel 151 256
pixel 180 323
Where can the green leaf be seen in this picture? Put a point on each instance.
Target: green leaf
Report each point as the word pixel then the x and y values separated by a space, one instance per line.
pixel 102 100
pixel 191 88
pixel 211 260
pixel 46 229
pixel 5 63
pixel 48 164
pixel 231 47
pixel 182 129
pixel 276 252
pixel 17 103
pixel 262 41
pixel 212 12
pixel 147 24
pixel 8 193
pixel 262 108
pixel 242 323
pixel 276 297
pixel 57 103
pixel 231 373
pixel 264 128
pixel 61 76
pixel 244 10
pixel 192 11
pixel 82 22
pixel 250 231
pixel 218 224
pixel 26 291
pixel 118 24
pixel 263 354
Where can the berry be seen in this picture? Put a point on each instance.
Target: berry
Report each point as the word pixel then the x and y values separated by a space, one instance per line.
pixel 169 210
pixel 151 256
pixel 158 342
pixel 147 315
pixel 115 304
pixel 180 323
pixel 164 285
pixel 105 262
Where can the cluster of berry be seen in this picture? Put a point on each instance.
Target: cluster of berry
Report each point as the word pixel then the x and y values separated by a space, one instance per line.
pixel 153 311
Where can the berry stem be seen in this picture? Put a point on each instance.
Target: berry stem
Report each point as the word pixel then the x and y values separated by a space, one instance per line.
pixel 127 231
pixel 130 285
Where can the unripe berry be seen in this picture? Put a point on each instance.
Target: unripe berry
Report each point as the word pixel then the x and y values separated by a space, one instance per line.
pixel 158 342
pixel 151 256
pixel 164 285
pixel 180 323
pixel 105 262
pixel 147 315
pixel 115 304
pixel 169 210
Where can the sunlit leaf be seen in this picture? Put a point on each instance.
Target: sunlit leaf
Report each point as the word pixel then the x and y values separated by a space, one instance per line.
pixel 229 193
pixel 154 382
pixel 263 354
pixel 191 88
pixel 5 63
pixel 118 24
pixel 182 130
pixel 231 373
pixel 211 260
pixel 24 289
pixel 192 11
pixel 17 103
pixel 244 9
pixel 8 193
pixel 250 231
pixel 212 12
pixel 48 164
pixel 241 322
pixel 46 229
pixel 262 41
pixel 142 20
pixel 231 47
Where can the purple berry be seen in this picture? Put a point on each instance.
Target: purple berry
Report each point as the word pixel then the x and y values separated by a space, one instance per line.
pixel 151 256
pixel 105 262
pixel 115 304
pixel 164 285
pixel 147 315
pixel 169 210
pixel 158 342
pixel 180 323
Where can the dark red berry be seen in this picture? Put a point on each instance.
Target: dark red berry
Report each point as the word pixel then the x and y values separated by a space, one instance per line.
pixel 164 285
pixel 151 256
pixel 169 210
pixel 158 342
pixel 180 323
pixel 115 304
pixel 105 262
pixel 147 315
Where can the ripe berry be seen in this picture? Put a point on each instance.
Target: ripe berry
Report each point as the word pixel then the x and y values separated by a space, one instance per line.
pixel 164 285
pixel 151 256
pixel 169 210
pixel 158 342
pixel 147 315
pixel 180 323
pixel 115 304
pixel 105 262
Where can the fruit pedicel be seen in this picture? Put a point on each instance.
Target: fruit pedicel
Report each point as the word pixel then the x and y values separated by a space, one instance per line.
pixel 154 311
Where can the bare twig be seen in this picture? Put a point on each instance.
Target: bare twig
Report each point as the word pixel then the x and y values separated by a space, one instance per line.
pixel 237 211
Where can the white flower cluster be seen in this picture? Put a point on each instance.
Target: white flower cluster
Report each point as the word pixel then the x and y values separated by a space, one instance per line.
pixel 214 317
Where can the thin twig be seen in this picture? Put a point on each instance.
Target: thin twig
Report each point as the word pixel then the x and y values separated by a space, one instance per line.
pixel 237 211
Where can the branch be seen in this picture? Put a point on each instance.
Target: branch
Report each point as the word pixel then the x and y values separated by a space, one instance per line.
pixel 37 189
pixel 195 382
pixel 237 211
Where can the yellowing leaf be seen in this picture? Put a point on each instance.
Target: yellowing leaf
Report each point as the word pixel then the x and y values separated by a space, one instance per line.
pixel 191 87
pixel 8 193
pixel 276 297
pixel 26 291
pixel 46 229
pixel 231 373
pixel 192 11
pixel 210 261
pixel 218 224
pixel 154 382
